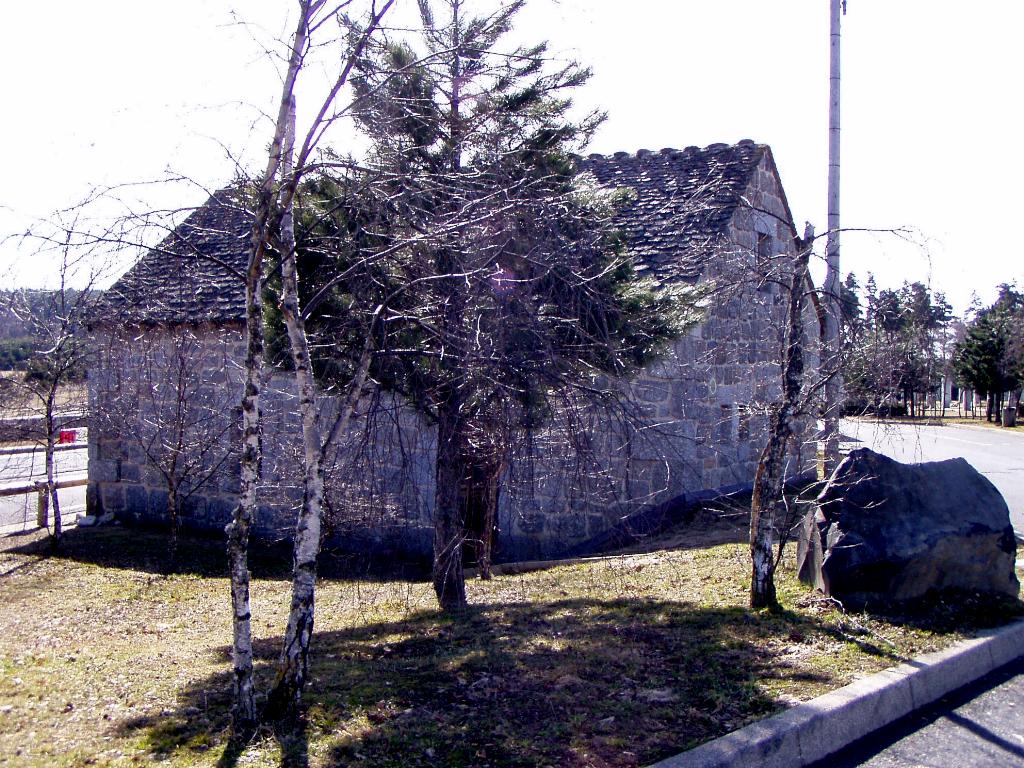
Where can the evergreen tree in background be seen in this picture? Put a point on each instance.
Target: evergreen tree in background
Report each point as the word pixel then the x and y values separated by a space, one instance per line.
pixel 894 359
pixel 990 357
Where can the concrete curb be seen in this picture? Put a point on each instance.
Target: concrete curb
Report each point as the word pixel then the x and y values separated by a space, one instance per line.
pixel 813 730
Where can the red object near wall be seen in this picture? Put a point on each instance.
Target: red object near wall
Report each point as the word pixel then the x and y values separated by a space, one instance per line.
pixel 66 436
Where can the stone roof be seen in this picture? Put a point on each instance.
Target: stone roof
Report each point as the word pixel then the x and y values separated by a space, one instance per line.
pixel 683 200
pixel 194 275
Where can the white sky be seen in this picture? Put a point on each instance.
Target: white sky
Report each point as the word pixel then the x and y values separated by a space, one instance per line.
pixel 122 90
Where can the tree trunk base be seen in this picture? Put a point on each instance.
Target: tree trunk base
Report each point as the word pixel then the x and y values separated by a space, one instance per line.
pixel 243 726
pixel 761 600
pixel 450 586
pixel 281 709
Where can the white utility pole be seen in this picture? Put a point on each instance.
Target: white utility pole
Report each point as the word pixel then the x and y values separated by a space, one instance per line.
pixel 830 353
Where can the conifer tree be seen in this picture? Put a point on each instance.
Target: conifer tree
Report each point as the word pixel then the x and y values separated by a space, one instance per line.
pixel 498 279
pixel 990 357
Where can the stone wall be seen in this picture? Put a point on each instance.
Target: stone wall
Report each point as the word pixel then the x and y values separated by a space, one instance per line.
pixel 151 390
pixel 703 413
pixel 379 480
pixel 705 406
pixel 149 387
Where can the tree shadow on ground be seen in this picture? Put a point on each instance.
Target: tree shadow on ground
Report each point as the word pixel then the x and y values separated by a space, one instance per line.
pixel 952 610
pixel 146 550
pixel 565 682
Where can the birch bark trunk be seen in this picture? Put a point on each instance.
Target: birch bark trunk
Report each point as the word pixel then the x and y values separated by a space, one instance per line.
pixel 767 503
pixel 275 199
pixel 51 481
pixel 286 695
pixel 245 715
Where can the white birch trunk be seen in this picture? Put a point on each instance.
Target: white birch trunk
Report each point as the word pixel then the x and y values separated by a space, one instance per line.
pixel 280 168
pixel 767 502
pixel 245 714
pixel 286 694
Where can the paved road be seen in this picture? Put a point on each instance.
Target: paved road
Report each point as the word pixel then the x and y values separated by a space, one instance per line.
pixel 980 726
pixel 19 512
pixel 997 455
pixel 15 467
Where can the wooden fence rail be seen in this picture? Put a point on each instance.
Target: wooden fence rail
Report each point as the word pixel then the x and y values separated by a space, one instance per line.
pixel 23 449
pixel 40 488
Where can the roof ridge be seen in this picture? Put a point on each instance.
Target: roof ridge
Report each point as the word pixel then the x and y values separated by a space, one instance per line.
pixel 683 199
pixel 211 240
pixel 673 152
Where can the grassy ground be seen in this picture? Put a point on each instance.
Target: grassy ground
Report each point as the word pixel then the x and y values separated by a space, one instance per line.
pixel 106 661
pixel 19 403
pixel 1019 428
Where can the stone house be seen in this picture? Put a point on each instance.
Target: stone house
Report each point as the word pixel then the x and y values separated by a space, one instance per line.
pixel 714 216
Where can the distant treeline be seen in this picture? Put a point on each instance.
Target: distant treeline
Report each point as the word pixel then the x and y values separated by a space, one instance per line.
pixel 23 312
pixel 15 353
pixel 27 318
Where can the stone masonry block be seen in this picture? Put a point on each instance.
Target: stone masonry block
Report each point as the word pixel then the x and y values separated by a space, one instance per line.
pixel 194 507
pixel 130 473
pixel 136 499
pixel 529 523
pixel 157 504
pixel 569 527
pixel 652 391
pixel 219 511
pixel 111 496
pixel 104 471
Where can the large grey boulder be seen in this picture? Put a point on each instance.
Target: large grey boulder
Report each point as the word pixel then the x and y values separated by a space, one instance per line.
pixel 885 532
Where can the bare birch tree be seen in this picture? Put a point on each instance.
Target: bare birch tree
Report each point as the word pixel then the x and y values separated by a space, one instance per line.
pixel 54 319
pixel 245 712
pixel 273 227
pixel 768 505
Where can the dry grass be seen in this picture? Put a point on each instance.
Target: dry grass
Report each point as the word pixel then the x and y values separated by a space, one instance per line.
pixel 935 419
pixel 105 661
pixel 955 420
pixel 17 403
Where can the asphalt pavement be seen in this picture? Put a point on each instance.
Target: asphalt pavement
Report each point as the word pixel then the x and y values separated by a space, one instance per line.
pixel 30 463
pixel 997 454
pixel 879 716
pixel 981 726
pixel 20 467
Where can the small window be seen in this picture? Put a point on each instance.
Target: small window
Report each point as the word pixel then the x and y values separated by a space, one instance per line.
pixel 764 247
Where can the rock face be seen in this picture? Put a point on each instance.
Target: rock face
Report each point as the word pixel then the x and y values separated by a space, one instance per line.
pixel 886 532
